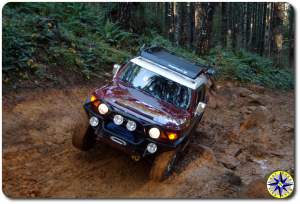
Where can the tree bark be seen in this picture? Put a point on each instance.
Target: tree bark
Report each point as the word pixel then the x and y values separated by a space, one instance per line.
pixel 198 13
pixel 184 21
pixel 204 42
pixel 269 36
pixel 263 29
pixel 172 23
pixel 167 19
pixel 244 23
pixel 249 25
pixel 291 36
pixel 224 23
pixel 254 27
pixel 191 24
pixel 124 14
pixel 277 37
pixel 178 14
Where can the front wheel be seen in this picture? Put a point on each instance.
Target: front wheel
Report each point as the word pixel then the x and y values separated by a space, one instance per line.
pixel 84 141
pixel 83 136
pixel 163 165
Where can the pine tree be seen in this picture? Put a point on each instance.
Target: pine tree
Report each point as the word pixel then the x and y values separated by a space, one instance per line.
pixel 277 37
pixel 204 37
pixel 224 24
pixel 291 36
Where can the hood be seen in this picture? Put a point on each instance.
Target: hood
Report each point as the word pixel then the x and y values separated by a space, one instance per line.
pixel 140 104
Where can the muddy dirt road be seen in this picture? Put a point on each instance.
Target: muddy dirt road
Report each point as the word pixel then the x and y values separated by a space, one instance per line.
pixel 246 133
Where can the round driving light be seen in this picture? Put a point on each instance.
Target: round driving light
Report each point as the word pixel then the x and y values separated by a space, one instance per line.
pixel 103 109
pixel 94 121
pixel 154 133
pixel 118 119
pixel 151 148
pixel 131 125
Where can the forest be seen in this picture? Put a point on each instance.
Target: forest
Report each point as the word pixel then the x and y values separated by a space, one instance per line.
pixel 44 43
pixel 56 56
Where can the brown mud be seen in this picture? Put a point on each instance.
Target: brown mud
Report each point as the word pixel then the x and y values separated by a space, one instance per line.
pixel 246 133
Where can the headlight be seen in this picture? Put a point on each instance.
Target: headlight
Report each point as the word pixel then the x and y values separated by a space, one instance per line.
pixel 118 119
pixel 131 125
pixel 103 109
pixel 154 133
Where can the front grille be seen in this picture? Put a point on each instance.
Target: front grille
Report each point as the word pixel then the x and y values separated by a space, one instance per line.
pixel 121 130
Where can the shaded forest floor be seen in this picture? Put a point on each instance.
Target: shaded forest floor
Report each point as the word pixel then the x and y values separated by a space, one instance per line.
pixel 246 133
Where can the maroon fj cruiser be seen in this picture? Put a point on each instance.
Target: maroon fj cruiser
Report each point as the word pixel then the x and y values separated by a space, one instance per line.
pixel 150 108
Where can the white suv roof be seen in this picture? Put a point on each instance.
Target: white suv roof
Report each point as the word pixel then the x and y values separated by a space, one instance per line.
pixel 169 74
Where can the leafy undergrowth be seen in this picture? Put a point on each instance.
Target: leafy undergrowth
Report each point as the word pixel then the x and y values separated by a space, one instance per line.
pixel 39 37
pixel 251 68
pixel 42 40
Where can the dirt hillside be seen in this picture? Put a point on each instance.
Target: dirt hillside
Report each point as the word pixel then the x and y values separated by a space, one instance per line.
pixel 246 133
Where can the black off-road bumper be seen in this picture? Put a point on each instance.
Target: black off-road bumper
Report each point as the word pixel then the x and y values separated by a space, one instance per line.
pixel 111 134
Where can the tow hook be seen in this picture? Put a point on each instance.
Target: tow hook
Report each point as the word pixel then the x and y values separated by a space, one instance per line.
pixel 135 157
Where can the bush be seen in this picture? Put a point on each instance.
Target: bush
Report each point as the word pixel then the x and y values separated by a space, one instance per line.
pixel 251 68
pixel 80 37
pixel 69 35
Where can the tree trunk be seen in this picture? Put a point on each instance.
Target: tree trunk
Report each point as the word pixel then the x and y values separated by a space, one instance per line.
pixel 270 16
pixel 204 42
pixel 124 14
pixel 167 19
pixel 244 23
pixel 172 23
pixel 254 27
pixel 250 26
pixel 291 36
pixel 198 13
pixel 277 37
pixel 184 21
pixel 263 29
pixel 178 14
pixel 224 23
pixel 233 25
pixel 237 22
pixel 191 24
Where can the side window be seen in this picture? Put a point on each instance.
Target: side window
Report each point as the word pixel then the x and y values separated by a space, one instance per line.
pixel 201 94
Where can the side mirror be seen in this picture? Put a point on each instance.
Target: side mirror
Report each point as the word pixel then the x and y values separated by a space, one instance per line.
pixel 116 68
pixel 211 71
pixel 200 108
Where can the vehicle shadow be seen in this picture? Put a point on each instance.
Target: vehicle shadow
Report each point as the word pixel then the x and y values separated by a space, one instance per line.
pixel 113 172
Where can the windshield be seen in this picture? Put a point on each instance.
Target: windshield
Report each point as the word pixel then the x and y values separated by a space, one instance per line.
pixel 157 85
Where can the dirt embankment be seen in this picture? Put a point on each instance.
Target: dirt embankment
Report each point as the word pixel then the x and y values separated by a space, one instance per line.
pixel 246 133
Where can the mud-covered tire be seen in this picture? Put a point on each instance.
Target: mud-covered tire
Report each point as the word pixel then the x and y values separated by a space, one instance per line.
pixel 163 165
pixel 82 134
